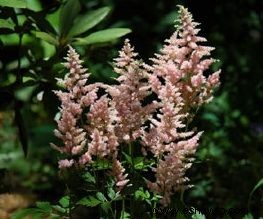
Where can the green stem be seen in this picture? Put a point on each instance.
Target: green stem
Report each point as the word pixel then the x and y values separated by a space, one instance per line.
pixel 70 202
pixel 131 155
pixel 123 208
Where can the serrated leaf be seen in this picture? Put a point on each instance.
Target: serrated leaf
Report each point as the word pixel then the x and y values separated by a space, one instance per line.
pixel 7 23
pixel 13 3
pixel 103 36
pixel 37 215
pixel 138 163
pixel 59 208
pixel 198 215
pixel 111 193
pixel 21 214
pixel 46 37
pixel 85 22
pixel 127 157
pixel 147 194
pixel 105 206
pixel 45 206
pixel 89 178
pixel 125 215
pixel 139 194
pixel 64 201
pixel 89 201
pixel 67 15
pixel 101 197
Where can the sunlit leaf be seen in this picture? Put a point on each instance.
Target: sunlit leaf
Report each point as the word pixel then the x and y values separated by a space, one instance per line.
pixel 21 214
pixel 125 215
pixel 34 5
pixel 89 178
pixel 13 3
pixel 59 208
pixel 89 201
pixel 64 201
pixel 45 206
pixel 46 37
pixel 111 193
pixel 7 23
pixel 89 20
pixel 101 197
pixel 103 36
pixel 198 215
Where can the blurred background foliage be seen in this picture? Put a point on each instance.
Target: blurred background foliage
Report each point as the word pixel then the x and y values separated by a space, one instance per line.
pixel 33 39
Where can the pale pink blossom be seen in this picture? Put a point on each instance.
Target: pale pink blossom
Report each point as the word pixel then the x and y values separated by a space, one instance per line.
pixel 177 77
pixel 65 163
pixel 72 135
pixel 128 95
pixel 182 61
pixel 118 173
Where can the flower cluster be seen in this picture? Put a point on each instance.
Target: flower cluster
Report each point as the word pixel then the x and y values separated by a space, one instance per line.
pixel 94 126
pixel 177 77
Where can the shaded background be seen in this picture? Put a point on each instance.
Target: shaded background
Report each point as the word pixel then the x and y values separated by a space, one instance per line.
pixel 229 160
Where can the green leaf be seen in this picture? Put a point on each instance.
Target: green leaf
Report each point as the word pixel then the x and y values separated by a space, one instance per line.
pixel 103 36
pixel 64 201
pixel 37 215
pixel 67 15
pixel 89 202
pixel 101 197
pixel 125 215
pixel 248 216
pixel 21 214
pixel 7 23
pixel 13 3
pixel 127 157
pixel 101 164
pixel 111 193
pixel 34 5
pixel 46 37
pixel 59 208
pixel 259 184
pixel 138 163
pixel 198 215
pixel 105 206
pixel 139 194
pixel 45 206
pixel 85 22
pixel 89 178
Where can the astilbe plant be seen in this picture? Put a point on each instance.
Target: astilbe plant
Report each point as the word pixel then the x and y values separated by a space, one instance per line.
pixel 95 125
